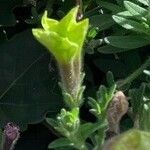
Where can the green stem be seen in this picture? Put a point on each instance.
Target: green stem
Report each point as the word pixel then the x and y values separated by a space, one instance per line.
pixel 101 139
pixel 135 74
pixel 79 144
pixel 101 135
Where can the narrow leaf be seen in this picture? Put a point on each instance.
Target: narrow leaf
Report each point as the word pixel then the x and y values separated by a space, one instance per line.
pixel 110 78
pixel 130 24
pixel 124 14
pixel 128 42
pixel 144 2
pixel 108 49
pixel 61 142
pixel 110 6
pixel 102 21
pixel 135 9
pixel 87 129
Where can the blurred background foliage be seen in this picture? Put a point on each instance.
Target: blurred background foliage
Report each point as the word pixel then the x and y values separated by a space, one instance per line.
pixel 118 41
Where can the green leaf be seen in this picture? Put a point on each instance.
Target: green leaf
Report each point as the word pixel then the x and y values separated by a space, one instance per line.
pixel 110 79
pixel 87 129
pixel 108 49
pixel 92 32
pixel 135 9
pixel 140 102
pixel 92 12
pixel 96 108
pixel 119 2
pixel 145 2
pixel 145 118
pixel 102 21
pixel 128 42
pixel 110 6
pixel 51 122
pixel 147 72
pixel 92 44
pixel 28 89
pixel 66 147
pixel 124 14
pixel 131 25
pixel 103 97
pixel 61 142
pixel 137 99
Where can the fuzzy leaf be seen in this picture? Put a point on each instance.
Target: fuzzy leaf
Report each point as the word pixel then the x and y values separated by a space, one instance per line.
pixel 61 142
pixel 87 129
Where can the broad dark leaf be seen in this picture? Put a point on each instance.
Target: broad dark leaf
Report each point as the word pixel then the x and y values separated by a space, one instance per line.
pixel 28 89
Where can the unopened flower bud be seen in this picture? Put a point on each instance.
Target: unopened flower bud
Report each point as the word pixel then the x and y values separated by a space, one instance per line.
pixel 11 135
pixel 116 109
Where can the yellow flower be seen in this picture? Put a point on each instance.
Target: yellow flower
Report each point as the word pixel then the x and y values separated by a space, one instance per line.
pixel 64 38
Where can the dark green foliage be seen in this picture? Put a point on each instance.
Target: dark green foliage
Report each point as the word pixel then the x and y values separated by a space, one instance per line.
pixel 118 41
pixel 28 88
pixel 140 101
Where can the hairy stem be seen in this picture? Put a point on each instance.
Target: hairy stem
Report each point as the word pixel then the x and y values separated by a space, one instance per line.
pixel 70 77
